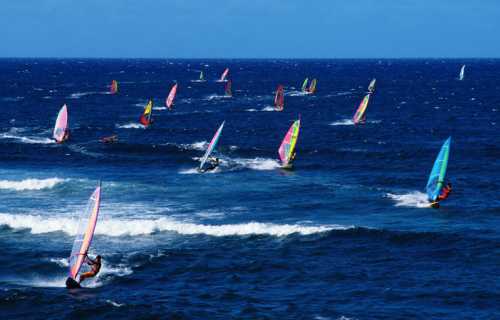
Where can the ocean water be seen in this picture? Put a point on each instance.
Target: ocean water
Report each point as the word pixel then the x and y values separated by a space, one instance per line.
pixel 346 235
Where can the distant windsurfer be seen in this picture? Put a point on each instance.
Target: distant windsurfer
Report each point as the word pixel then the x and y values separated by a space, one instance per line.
pixel 95 267
pixel 110 139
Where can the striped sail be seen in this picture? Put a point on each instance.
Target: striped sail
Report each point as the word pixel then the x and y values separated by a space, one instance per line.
pixel 312 86
pixel 171 96
pixel 279 98
pixel 359 116
pixel 438 173
pixel 304 85
pixel 212 145
pixel 287 147
pixel 224 75
pixel 145 118
pixel 84 234
pixel 61 126
pixel 462 73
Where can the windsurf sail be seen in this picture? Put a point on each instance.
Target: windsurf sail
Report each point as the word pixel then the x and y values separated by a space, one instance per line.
pixel 371 86
pixel 114 87
pixel 212 145
pixel 279 98
pixel 462 73
pixel 145 118
pixel 84 234
pixel 304 84
pixel 224 75
pixel 312 86
pixel 201 76
pixel 227 89
pixel 438 173
pixel 359 116
pixel 171 96
pixel 61 127
pixel 287 147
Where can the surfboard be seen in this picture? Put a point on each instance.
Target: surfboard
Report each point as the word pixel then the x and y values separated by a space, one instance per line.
pixel 436 177
pixel 84 235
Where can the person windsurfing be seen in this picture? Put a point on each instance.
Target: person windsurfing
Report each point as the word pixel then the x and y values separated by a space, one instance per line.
pixel 443 195
pixel 213 163
pixel 95 267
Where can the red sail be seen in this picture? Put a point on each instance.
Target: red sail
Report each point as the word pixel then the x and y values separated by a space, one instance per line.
pixel 279 98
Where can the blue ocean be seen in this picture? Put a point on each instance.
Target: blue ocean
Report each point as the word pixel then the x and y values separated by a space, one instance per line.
pixel 347 234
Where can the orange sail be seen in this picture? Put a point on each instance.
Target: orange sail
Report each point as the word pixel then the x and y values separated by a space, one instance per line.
pixel 114 87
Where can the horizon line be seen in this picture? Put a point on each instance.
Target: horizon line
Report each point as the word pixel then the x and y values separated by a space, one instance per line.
pixel 248 58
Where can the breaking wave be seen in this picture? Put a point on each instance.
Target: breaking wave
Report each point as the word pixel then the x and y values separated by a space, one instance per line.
pixel 30 184
pixel 414 199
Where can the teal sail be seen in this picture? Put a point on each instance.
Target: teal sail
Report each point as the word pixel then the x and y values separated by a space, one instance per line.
pixel 438 173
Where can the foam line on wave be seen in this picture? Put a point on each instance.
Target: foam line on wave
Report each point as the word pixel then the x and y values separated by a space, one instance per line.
pixel 136 227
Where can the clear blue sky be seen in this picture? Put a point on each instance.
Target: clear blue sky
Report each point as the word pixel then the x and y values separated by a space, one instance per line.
pixel 250 28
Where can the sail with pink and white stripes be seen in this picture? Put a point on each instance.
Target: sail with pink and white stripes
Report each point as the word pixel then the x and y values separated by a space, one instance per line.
pixel 224 75
pixel 171 96
pixel 61 127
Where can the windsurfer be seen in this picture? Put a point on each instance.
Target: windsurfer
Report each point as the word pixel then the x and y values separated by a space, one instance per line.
pixel 445 192
pixel 95 266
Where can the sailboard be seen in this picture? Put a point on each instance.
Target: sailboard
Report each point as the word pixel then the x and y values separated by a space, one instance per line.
pixel 462 73
pixel 286 150
pixel 145 118
pixel 438 173
pixel 211 146
pixel 359 116
pixel 279 98
pixel 169 102
pixel 202 78
pixel 371 86
pixel 227 89
pixel 224 75
pixel 83 239
pixel 61 130
pixel 114 87
pixel 304 85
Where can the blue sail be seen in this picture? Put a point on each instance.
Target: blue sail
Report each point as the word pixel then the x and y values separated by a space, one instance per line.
pixel 438 173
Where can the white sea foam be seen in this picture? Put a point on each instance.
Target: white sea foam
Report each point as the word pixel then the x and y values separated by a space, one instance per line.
pixel 30 184
pixel 343 122
pixel 115 304
pixel 23 139
pixel 132 125
pixel 297 93
pixel 268 108
pixel 258 163
pixel 251 110
pixel 414 199
pixel 137 227
pixel 200 145
pixel 159 108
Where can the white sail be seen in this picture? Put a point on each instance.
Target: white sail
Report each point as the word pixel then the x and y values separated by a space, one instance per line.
pixel 462 73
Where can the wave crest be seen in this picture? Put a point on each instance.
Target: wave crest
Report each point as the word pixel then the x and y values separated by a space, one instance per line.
pixel 30 184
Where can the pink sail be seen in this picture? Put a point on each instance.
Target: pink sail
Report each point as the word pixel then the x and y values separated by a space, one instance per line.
pixel 224 75
pixel 61 127
pixel 287 147
pixel 85 233
pixel 171 96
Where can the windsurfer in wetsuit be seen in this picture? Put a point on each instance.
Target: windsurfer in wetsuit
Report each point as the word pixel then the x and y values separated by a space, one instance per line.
pixel 95 266
pixel 445 192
